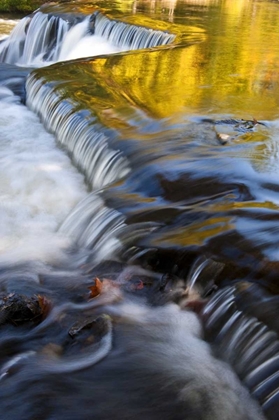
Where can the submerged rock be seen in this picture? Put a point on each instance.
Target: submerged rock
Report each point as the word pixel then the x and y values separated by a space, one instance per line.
pixel 230 129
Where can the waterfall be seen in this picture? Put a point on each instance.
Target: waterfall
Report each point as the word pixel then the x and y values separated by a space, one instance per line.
pixel 91 224
pixel 34 40
pixel 12 47
pixel 42 39
pixel 128 36
pixel 94 226
pixel 246 344
pixel 84 140
pixel 147 345
pixel 102 231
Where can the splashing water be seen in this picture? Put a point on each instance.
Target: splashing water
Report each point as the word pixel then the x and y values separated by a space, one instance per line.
pixel 78 42
pixel 38 188
pixel 42 39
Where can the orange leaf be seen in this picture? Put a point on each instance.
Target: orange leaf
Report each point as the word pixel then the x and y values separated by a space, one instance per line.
pixel 96 289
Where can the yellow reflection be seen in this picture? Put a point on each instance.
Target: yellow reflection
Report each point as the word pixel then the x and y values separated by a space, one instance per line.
pixel 127 6
pixel 198 233
pixel 171 5
pixel 230 206
pixel 230 69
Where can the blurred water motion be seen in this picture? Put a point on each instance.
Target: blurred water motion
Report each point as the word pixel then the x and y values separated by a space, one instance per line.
pixel 178 145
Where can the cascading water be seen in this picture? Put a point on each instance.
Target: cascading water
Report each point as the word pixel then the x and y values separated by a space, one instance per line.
pixel 56 40
pixel 42 39
pixel 192 212
pixel 38 188
pixel 82 138
pixel 129 37
pixel 23 48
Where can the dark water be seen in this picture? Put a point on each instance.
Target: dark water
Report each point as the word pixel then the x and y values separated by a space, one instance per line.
pixel 186 193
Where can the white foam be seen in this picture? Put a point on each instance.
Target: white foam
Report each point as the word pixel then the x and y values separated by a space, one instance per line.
pixel 38 187
pixel 78 43
pixel 90 46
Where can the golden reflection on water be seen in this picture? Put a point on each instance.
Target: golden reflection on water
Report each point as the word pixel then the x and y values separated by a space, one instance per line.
pixel 197 233
pixel 225 62
pixel 136 6
pixel 234 70
pixel 231 69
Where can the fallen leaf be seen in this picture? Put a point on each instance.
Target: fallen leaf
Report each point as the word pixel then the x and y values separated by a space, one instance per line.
pixel 96 289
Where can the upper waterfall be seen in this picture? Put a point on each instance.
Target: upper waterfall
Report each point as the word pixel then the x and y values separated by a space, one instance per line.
pixel 126 36
pixel 42 39
pixel 35 39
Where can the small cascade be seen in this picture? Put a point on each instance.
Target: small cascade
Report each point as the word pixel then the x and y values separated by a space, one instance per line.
pixel 35 39
pixel 50 32
pixel 84 139
pixel 94 226
pixel 102 230
pixel 79 42
pixel 11 48
pixel 75 33
pixel 126 36
pixel 247 344
pixel 41 39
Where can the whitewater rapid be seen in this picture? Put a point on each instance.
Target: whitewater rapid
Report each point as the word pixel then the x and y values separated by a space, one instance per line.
pixel 38 187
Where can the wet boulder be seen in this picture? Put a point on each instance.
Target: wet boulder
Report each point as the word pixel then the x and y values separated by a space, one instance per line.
pixel 19 309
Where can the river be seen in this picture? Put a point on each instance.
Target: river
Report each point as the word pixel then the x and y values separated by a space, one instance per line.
pixel 156 170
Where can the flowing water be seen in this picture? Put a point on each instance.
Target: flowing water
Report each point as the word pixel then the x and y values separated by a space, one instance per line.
pixel 150 160
pixel 39 186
